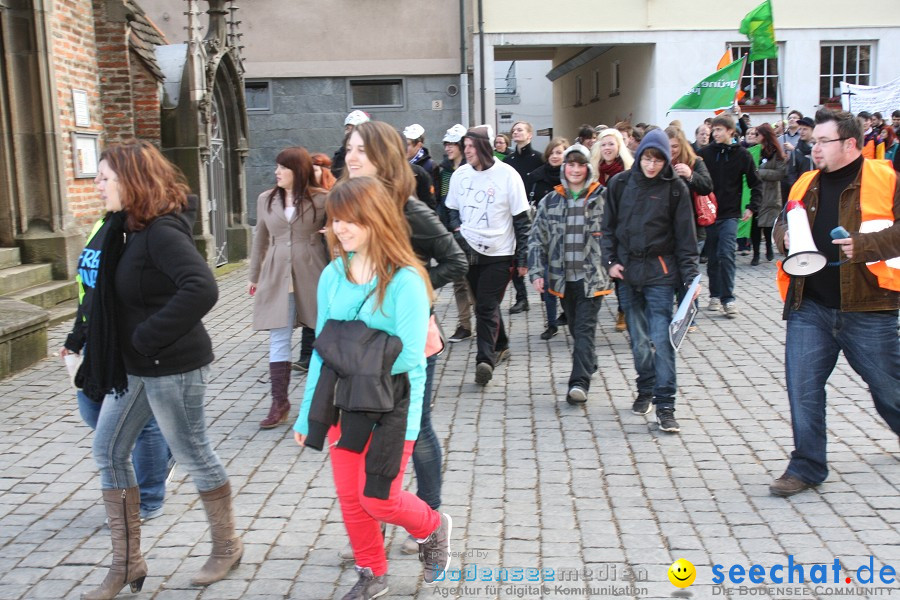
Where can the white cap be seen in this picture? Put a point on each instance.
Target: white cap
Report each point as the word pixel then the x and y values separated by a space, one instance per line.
pixel 356 117
pixel 455 134
pixel 414 132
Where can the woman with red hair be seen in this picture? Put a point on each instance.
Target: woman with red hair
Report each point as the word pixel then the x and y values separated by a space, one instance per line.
pixel 322 168
pixel 376 284
pixel 148 351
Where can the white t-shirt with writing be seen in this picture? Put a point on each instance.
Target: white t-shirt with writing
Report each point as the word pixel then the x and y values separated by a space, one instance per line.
pixel 487 201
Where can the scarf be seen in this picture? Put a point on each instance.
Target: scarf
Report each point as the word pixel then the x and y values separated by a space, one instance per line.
pixel 418 156
pixel 103 370
pixel 607 170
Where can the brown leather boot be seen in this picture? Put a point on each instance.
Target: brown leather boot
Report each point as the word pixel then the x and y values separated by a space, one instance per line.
pixel 620 322
pixel 280 374
pixel 123 508
pixel 227 547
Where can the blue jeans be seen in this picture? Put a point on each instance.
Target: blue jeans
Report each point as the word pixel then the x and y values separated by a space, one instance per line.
pixel 176 401
pixel 815 337
pixel 720 243
pixel 549 302
pixel 280 338
pixel 427 453
pixel 581 315
pixel 151 456
pixel 648 312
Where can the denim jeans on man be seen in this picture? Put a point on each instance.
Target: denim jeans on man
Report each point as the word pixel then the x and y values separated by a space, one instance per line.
pixel 151 457
pixel 648 312
pixel 549 302
pixel 581 314
pixel 720 248
pixel 427 452
pixel 176 401
pixel 815 337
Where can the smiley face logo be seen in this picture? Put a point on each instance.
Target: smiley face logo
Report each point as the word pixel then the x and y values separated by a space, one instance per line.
pixel 682 573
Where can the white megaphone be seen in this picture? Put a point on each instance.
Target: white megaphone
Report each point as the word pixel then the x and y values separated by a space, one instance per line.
pixel 803 257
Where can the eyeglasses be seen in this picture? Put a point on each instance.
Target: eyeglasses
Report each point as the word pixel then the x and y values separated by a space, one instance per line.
pixel 817 142
pixel 652 161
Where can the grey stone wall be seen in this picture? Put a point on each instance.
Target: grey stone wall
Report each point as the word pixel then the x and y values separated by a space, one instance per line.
pixel 310 113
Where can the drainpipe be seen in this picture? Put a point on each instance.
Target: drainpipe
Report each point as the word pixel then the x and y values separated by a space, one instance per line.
pixel 463 67
pixel 481 60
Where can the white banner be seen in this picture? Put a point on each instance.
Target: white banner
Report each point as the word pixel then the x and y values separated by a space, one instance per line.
pixel 871 98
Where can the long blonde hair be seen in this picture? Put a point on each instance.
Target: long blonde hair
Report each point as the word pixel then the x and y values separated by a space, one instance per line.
pixel 624 152
pixel 365 202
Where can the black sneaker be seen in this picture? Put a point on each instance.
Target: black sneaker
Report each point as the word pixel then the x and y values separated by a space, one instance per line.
pixel 301 365
pixel 519 307
pixel 434 552
pixel 562 319
pixel 459 335
pixel 484 372
pixel 665 416
pixel 641 406
pixel 368 586
pixel 549 332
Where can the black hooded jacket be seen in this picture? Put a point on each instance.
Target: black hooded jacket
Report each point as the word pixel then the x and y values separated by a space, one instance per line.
pixel 648 224
pixel 728 164
pixel 163 290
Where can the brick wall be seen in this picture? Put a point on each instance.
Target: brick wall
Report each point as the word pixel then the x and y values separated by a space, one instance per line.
pixel 145 101
pixel 74 59
pixel 114 70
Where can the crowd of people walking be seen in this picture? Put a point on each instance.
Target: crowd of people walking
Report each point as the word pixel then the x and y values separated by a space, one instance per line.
pixel 351 249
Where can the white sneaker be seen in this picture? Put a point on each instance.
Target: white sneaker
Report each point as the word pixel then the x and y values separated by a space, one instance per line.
pixel 715 305
pixel 731 310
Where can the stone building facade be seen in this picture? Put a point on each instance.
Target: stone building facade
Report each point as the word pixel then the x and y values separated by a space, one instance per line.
pixel 75 76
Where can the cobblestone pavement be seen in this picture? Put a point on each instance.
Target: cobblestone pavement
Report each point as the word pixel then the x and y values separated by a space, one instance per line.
pixel 531 482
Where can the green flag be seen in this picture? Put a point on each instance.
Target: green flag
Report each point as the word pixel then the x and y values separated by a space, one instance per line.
pixel 715 92
pixel 759 27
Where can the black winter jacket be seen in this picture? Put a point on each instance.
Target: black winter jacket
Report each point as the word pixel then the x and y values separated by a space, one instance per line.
pixel 542 181
pixel 356 385
pixel 700 183
pixel 648 228
pixel 525 160
pixel 431 240
pixel 163 290
pixel 424 186
pixel 727 165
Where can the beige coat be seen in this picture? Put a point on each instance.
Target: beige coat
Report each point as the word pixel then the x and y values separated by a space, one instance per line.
pixel 283 250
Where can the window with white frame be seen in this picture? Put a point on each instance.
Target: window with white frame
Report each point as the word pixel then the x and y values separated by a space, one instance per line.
pixel 596 80
pixel 578 91
pixel 843 62
pixel 760 80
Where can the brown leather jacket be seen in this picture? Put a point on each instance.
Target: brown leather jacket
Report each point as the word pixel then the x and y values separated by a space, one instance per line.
pixel 859 287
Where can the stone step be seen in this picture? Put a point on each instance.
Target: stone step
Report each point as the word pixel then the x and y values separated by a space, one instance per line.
pixel 10 257
pixel 63 312
pixel 47 295
pixel 13 279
